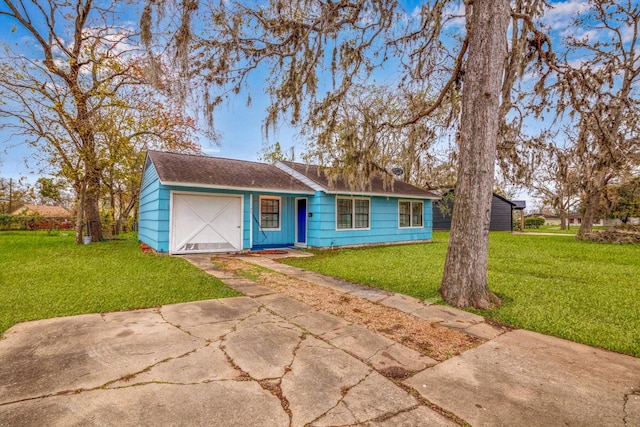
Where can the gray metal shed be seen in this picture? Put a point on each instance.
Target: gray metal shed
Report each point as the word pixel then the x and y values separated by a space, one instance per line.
pixel 501 213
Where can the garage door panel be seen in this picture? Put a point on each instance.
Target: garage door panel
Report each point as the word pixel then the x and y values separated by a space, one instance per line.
pixel 206 223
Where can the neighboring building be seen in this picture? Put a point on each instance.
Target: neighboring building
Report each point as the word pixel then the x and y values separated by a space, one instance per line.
pixel 501 213
pixel 40 217
pixel 617 221
pixel 194 203
pixel 43 211
pixel 549 219
pixel 576 219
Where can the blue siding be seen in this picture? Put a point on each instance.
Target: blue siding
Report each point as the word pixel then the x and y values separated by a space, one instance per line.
pixel 285 236
pixel 383 224
pixel 149 222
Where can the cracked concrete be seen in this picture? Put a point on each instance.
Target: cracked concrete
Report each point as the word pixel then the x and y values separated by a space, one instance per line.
pixel 535 379
pixel 266 359
pixel 238 361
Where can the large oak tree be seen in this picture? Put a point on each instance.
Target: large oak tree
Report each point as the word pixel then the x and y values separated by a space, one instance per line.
pixel 313 54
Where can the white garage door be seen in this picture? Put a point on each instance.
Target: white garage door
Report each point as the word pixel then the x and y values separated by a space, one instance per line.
pixel 205 223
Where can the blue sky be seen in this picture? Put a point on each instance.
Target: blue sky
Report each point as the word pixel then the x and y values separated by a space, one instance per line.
pixel 240 127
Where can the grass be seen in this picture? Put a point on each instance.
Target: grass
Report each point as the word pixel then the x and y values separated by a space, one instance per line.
pixel 581 291
pixel 548 228
pixel 46 275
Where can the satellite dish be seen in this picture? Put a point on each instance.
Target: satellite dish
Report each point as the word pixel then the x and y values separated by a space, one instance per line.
pixel 397 171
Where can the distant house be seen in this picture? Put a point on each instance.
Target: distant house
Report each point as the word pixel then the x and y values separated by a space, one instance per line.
pixel 549 219
pixel 576 219
pixel 194 203
pixel 43 211
pixel 40 217
pixel 501 212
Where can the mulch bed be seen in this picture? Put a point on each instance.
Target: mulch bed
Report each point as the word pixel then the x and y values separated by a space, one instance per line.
pixel 429 339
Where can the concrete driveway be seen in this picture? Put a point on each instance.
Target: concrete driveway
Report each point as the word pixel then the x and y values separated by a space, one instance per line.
pixel 268 360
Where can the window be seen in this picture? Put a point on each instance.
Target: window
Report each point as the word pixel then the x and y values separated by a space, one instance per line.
pixel 416 214
pixel 410 213
pixel 352 213
pixel 345 213
pixel 404 212
pixel 269 212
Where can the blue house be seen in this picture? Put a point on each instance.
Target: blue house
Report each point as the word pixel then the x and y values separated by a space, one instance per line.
pixel 192 203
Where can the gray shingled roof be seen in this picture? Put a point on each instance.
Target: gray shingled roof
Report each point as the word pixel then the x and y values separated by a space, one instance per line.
pixel 376 186
pixel 217 172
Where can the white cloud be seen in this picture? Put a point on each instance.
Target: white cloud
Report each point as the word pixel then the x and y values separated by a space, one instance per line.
pixel 561 14
pixel 210 150
pixel 456 15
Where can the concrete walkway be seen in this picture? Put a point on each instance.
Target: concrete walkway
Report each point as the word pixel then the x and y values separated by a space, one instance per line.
pixel 268 360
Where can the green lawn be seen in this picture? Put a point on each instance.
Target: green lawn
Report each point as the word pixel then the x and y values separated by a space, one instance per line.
pixel 585 292
pixel 547 228
pixel 44 275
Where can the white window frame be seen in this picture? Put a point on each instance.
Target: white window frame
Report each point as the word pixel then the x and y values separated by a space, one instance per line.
pixel 411 203
pixel 279 199
pixel 353 213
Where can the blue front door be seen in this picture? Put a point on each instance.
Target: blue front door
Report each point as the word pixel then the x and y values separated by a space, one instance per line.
pixel 301 223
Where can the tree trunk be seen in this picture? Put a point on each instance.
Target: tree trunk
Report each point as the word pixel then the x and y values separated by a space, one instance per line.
pixel 563 219
pixel 464 282
pixel 593 201
pixel 91 204
pixel 80 191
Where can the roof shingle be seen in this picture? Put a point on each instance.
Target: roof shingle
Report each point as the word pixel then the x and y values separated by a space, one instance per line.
pixel 219 172
pixel 44 211
pixel 376 184
pixel 188 169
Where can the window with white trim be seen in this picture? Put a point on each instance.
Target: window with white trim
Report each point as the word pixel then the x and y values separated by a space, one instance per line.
pixel 410 213
pixel 352 213
pixel 270 213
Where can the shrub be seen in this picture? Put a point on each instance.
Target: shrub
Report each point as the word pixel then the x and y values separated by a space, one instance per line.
pixel 533 222
pixel 35 222
pixel 5 221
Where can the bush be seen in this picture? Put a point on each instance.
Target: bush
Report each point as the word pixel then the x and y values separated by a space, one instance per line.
pixel 26 222
pixel 533 222
pixel 5 221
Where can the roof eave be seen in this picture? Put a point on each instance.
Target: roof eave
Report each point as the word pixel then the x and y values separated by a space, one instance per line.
pixel 397 195
pixel 235 188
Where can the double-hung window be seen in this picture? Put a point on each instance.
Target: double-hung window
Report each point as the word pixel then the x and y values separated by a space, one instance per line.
pixel 270 213
pixel 352 213
pixel 410 213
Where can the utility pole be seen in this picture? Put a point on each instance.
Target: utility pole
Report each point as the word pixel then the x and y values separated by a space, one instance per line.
pixel 10 194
